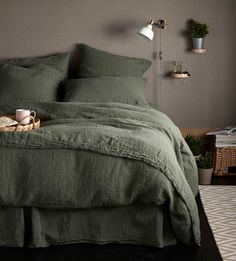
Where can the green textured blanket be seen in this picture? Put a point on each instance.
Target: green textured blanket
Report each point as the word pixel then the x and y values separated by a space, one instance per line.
pixel 119 130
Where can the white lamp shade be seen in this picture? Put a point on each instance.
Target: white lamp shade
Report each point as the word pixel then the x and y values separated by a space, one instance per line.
pixel 147 32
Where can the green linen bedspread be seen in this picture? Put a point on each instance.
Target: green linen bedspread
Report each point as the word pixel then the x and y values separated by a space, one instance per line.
pixel 140 134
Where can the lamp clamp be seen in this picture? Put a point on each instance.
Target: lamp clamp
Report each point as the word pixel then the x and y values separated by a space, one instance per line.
pixel 161 23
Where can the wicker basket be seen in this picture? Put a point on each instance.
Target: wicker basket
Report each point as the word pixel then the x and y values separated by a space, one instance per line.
pixel 34 124
pixel 223 159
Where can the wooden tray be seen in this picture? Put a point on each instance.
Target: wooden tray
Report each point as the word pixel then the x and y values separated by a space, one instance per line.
pixel 34 124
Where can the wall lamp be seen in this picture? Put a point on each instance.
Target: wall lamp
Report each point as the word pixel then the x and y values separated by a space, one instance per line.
pixel 147 31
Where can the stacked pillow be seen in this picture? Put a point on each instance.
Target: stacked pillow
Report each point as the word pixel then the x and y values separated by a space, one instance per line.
pixel 97 63
pixel 102 77
pixel 32 79
pixel 106 77
pixel 130 90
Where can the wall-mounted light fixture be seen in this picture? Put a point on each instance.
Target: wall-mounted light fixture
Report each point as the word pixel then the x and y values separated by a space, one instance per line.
pixel 147 31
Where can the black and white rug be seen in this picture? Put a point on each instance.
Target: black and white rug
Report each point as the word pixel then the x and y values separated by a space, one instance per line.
pixel 219 203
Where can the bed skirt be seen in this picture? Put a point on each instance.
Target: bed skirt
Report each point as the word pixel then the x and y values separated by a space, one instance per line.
pixel 133 224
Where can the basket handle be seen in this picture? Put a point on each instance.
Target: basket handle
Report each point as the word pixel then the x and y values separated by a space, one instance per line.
pixel 31 118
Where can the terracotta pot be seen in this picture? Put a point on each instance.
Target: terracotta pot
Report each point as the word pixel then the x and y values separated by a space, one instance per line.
pixel 204 176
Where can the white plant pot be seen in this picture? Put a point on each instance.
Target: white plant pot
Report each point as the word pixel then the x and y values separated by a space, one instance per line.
pixel 204 176
pixel 197 157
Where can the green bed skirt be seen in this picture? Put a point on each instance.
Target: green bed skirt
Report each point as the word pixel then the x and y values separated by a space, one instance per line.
pixel 134 224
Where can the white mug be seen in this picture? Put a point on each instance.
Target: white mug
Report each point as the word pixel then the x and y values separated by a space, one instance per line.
pixel 22 113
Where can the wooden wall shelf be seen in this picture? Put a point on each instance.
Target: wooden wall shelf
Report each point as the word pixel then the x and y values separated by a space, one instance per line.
pixel 180 75
pixel 199 50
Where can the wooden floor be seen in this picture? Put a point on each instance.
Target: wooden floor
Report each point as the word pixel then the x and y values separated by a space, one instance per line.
pixel 115 252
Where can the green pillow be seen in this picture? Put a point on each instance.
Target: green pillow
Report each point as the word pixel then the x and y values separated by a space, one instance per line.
pixel 59 61
pixel 130 90
pixel 97 63
pixel 36 83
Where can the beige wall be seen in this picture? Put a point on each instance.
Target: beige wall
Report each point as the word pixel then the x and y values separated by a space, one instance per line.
pixel 207 99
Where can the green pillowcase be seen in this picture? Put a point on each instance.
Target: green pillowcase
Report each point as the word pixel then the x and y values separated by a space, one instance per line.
pixel 36 83
pixel 97 63
pixel 58 61
pixel 130 90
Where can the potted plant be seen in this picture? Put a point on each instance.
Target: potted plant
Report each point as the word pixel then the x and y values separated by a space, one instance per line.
pixel 205 168
pixel 197 31
pixel 194 144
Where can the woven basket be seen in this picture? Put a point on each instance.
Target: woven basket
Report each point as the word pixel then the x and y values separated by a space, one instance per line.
pixel 34 124
pixel 223 159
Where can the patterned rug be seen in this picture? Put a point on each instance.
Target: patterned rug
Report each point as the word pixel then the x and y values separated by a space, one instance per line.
pixel 219 203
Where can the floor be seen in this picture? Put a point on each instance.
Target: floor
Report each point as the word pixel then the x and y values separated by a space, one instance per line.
pixel 115 252
pixel 229 180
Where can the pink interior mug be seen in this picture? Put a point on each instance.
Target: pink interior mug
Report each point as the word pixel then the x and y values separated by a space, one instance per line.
pixel 22 113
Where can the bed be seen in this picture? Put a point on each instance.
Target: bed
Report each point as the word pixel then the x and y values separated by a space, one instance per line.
pixel 104 168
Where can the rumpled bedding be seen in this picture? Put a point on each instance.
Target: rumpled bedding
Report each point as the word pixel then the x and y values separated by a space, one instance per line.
pixel 140 134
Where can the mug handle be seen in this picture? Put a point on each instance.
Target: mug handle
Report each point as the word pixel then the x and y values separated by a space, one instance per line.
pixel 34 114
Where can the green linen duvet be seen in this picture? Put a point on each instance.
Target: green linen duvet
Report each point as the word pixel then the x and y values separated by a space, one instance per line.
pixel 95 157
